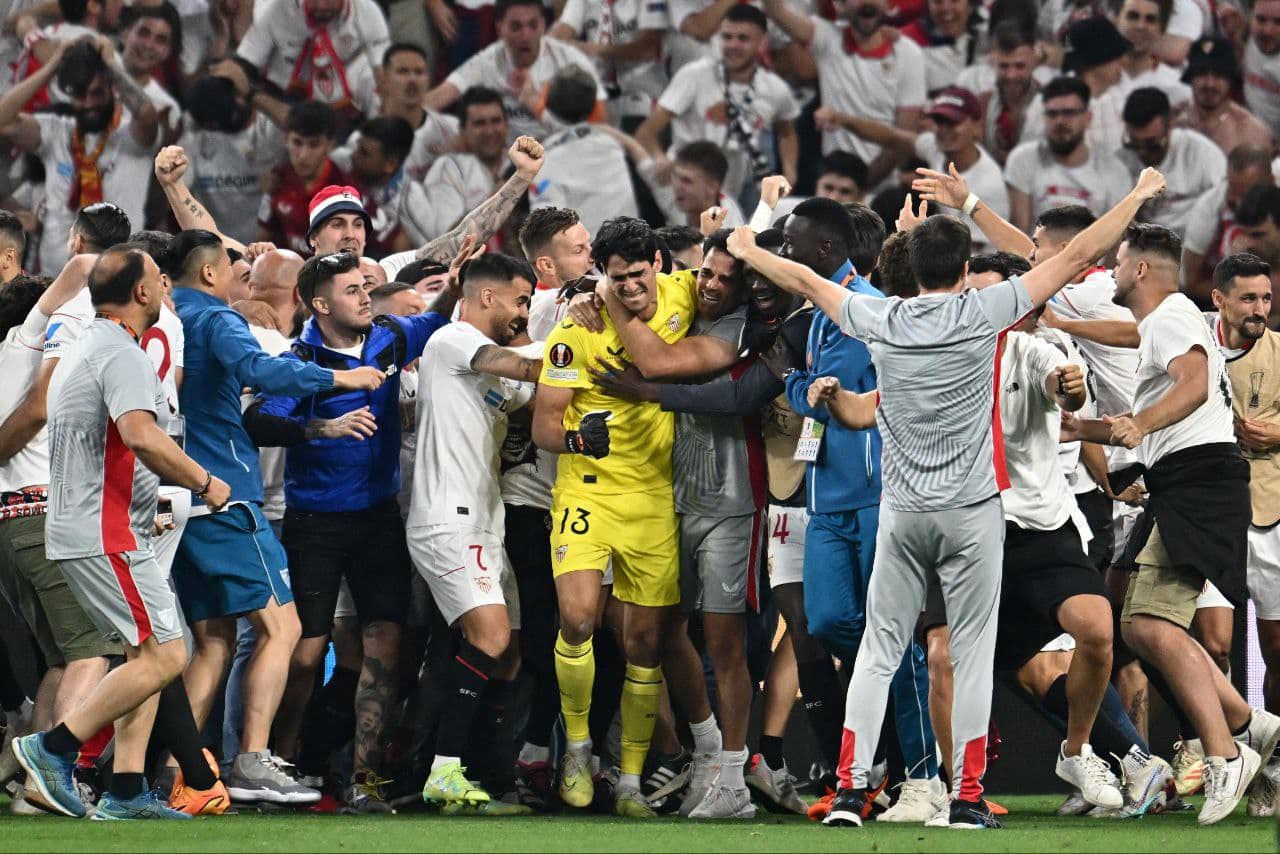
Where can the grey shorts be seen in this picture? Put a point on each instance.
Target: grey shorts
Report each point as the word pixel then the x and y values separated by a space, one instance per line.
pixel 126 595
pixel 720 562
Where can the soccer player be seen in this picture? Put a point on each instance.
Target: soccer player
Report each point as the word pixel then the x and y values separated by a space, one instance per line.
pixel 470 379
pixel 108 451
pixel 614 507
pixel 941 515
pixel 1182 422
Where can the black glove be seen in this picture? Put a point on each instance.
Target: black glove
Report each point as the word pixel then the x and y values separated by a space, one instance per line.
pixel 592 436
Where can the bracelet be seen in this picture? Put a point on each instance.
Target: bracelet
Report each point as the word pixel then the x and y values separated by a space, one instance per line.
pixel 208 481
pixel 969 204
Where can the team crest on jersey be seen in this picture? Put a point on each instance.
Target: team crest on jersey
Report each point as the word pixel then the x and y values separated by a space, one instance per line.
pixel 673 322
pixel 483 582
pixel 561 551
pixel 561 355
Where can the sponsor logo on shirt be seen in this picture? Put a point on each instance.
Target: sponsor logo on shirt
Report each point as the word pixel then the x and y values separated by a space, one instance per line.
pixel 562 374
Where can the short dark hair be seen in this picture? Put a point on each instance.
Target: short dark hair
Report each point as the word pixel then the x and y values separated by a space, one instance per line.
pixel 1006 264
pixel 116 288
pixel 868 233
pixel 543 224
pixel 320 270
pixel 393 133
pixel 402 47
pixel 496 267
pixel 191 249
pixel 501 7
pixel 1148 238
pixel 706 156
pixel 18 297
pixel 628 238
pixel 102 225
pixel 81 65
pixel 830 219
pixel 571 95
pixel 893 274
pixel 1259 204
pixel 159 246
pixel 719 240
pixel 678 238
pixel 1248 154
pixel 939 249
pixel 73 11
pixel 1241 264
pixel 312 118
pixel 416 271
pixel 164 11
pixel 389 290
pixel 1164 8
pixel 1061 86
pixel 1009 35
pixel 846 164
pixel 771 239
pixel 1144 105
pixel 478 95
pixel 1066 219
pixel 744 13
pixel 12 232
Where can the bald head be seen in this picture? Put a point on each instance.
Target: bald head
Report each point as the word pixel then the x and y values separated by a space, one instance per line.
pixel 275 276
pixel 373 273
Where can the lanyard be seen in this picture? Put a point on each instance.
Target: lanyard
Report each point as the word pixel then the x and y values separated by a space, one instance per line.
pixel 103 315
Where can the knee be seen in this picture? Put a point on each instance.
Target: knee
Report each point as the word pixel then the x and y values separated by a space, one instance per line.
pixel 171 660
pixel 641 647
pixel 1219 651
pixel 381 639
pixel 577 624
pixel 493 640
pixel 727 649
pixel 837 633
pixel 279 627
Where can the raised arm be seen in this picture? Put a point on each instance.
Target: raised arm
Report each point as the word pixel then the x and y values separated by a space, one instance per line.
pixel 20 128
pixel 171 165
pixel 702 25
pixel 825 294
pixel 793 22
pixel 1051 276
pixel 868 129
pixel 144 120
pixel 953 191
pixel 441 97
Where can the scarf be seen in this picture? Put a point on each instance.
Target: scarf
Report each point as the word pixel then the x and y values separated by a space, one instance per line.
pixel 320 72
pixel 86 180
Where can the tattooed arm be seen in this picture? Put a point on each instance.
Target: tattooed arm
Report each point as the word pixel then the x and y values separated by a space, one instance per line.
pixel 171 165
pixel 505 362
pixel 144 119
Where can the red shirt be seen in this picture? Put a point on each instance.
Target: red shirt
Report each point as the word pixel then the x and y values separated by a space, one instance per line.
pixel 285 211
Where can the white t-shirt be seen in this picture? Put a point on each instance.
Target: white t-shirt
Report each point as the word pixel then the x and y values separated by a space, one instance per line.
pixel 1262 85
pixel 1162 77
pixel 528 482
pixel 20 358
pixel 1189 19
pixel 665 196
pixel 224 168
pixel 1098 183
pixel 271 460
pixel 871 86
pixel 697 101
pixel 585 170
pixel 1209 213
pixel 1039 498
pixel 166 106
pixel 456 183
pixel 126 174
pixel 1113 368
pixel 983 177
pixel 462 421
pixel 434 137
pixel 493 67
pixel 1172 330
pixel 164 344
pixel 1106 128
pixel 359 36
pixel 1193 165
pixel 639 82
pixel 67 324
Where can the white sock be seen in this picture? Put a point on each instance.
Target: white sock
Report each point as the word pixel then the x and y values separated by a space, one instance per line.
pixel 731 762
pixel 595 763
pixel 629 783
pixel 578 747
pixel 531 753
pixel 706 736
pixel 443 760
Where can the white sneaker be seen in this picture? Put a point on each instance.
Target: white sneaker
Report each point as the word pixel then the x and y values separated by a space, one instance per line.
pixel 725 802
pixel 1262 736
pixel 1225 783
pixel 918 801
pixel 1143 782
pixel 1091 775
pixel 1075 804
pixel 1265 791
pixel 706 770
pixel 21 806
pixel 941 818
pixel 776 785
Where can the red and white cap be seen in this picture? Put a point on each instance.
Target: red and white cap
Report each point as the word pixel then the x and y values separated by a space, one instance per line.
pixel 335 200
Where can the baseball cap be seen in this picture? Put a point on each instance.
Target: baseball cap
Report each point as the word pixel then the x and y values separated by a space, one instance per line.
pixel 335 200
pixel 1213 55
pixel 955 104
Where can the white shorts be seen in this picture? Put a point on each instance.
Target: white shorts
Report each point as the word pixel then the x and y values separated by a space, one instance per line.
pixel 1211 597
pixel 786 544
pixel 464 568
pixel 1264 571
pixel 165 546
pixel 346 604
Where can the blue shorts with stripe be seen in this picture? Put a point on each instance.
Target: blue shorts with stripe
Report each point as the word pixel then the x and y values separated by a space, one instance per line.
pixel 230 563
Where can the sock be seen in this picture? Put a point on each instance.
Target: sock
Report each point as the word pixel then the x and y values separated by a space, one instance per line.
pixel 1114 732
pixel 1245 728
pixel 59 740
pixel 706 735
pixel 771 750
pixel 731 762
pixel 628 782
pixel 468 675
pixel 444 759
pixel 491 740
pixel 823 706
pixel 126 786
pixel 576 673
pixel 531 753
pixel 641 692
pixel 1055 699
pixel 175 729
pixel 606 694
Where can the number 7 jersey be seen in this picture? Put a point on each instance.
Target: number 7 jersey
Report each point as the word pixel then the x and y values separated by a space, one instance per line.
pixel 640 434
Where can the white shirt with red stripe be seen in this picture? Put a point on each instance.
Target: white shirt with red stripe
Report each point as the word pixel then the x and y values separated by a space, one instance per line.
pixel 164 344
pixel 20 358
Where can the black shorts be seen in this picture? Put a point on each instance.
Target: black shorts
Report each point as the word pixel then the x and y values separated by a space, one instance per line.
pixel 1042 569
pixel 1097 509
pixel 367 547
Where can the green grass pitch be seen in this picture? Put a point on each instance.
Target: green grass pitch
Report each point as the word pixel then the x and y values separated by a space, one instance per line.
pixel 1032 827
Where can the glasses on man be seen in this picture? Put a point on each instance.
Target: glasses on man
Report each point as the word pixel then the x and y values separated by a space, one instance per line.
pixel 1152 145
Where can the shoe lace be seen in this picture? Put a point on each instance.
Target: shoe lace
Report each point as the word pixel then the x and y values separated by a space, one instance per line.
pixel 913 792
pixel 372 785
pixel 1097 771
pixel 280 770
pixel 1214 779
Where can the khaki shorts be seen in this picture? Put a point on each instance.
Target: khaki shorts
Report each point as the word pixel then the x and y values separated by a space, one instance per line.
pixel 38 591
pixel 1159 589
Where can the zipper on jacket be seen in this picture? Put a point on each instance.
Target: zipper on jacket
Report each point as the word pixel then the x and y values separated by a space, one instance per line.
pixel 231 444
